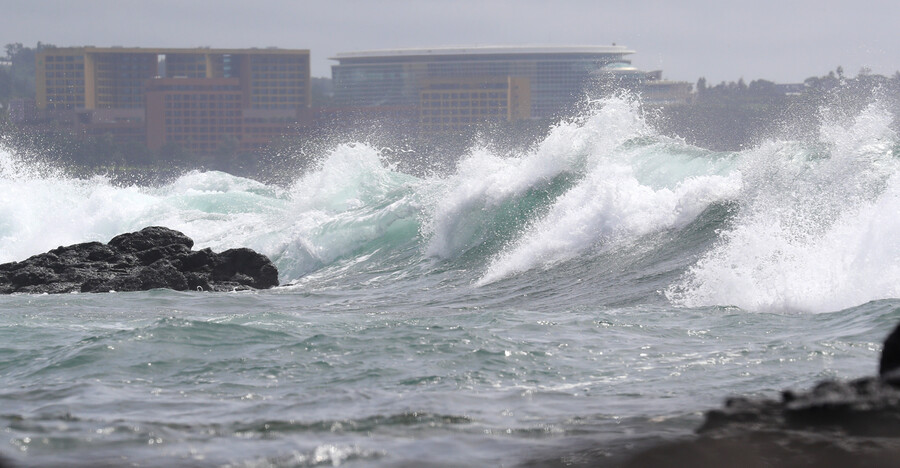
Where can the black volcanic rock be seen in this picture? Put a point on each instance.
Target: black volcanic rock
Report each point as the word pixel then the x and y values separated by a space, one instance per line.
pixel 834 424
pixel 890 356
pixel 154 257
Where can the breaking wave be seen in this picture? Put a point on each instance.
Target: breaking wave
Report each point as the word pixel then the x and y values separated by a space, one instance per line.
pixel 813 225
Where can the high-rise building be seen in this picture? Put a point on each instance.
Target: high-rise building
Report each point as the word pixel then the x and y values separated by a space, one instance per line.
pixel 196 98
pixel 198 114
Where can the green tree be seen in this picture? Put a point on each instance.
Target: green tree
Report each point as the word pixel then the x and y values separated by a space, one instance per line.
pixel 19 82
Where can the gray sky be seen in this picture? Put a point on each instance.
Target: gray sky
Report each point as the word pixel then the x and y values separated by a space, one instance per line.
pixel 783 41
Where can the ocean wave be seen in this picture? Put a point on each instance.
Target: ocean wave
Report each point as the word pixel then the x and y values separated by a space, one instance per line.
pixel 811 225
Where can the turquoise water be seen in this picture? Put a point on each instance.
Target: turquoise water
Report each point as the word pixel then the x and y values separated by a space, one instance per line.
pixel 564 306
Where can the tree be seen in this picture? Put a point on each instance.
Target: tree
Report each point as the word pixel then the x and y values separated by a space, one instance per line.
pixel 701 85
pixel 19 82
pixel 762 87
pixel 13 49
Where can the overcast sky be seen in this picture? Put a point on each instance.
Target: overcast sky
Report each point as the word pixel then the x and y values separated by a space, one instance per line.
pixel 783 41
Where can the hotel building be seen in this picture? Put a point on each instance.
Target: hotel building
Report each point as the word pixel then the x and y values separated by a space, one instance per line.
pixel 198 99
pixel 449 88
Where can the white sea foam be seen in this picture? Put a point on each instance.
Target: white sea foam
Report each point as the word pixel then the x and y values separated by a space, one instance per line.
pixel 816 232
pixel 816 225
pixel 351 199
pixel 626 191
pixel 484 180
pixel 608 207
pixel 40 210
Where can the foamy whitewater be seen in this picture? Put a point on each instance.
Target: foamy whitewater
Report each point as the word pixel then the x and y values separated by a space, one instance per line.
pixel 563 306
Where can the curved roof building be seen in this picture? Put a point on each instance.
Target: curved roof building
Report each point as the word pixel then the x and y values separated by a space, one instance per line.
pixel 553 77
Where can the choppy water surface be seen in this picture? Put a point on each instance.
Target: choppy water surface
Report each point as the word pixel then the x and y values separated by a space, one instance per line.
pixel 567 305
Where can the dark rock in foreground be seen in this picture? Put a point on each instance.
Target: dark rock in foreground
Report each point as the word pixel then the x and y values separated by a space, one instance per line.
pixel 835 424
pixel 154 257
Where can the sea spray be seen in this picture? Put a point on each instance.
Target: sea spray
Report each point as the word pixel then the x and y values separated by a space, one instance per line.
pixel 45 210
pixel 817 229
pixel 40 208
pixel 351 199
pixel 625 190
pixel 607 208
pixel 812 228
pixel 485 181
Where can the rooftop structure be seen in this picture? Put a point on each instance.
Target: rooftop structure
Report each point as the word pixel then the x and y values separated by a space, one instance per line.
pixel 467 52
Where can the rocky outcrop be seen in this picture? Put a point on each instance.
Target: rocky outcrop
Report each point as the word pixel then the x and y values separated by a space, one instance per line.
pixel 834 424
pixel 154 257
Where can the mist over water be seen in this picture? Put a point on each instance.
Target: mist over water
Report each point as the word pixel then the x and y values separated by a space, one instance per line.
pixel 607 283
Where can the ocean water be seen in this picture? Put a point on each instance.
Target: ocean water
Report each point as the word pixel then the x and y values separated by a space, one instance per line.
pixel 563 306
